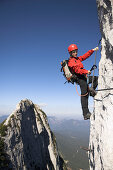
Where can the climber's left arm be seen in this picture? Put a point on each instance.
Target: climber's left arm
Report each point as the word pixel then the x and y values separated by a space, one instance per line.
pixel 89 53
pixel 86 55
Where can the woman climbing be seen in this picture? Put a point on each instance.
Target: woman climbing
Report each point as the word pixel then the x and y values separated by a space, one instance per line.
pixel 76 67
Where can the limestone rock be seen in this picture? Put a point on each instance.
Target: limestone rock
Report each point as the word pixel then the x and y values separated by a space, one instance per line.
pixel 101 131
pixel 29 141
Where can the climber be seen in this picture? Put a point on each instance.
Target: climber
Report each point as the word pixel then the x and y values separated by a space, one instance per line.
pixel 76 67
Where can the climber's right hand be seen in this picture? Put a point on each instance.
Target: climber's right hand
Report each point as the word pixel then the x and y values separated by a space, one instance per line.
pixel 89 72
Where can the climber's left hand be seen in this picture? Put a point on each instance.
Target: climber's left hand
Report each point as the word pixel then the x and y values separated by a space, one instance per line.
pixel 96 49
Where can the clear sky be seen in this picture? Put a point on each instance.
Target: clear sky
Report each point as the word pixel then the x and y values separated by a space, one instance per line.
pixel 34 37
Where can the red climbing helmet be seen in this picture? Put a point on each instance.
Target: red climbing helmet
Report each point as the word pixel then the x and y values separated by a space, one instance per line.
pixel 72 47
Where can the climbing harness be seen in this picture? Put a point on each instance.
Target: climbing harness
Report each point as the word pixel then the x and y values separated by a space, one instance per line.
pixel 83 95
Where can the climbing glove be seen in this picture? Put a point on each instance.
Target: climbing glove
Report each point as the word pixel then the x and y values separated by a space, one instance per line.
pixel 96 49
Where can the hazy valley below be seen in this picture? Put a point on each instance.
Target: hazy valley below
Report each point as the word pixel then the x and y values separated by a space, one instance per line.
pixel 71 135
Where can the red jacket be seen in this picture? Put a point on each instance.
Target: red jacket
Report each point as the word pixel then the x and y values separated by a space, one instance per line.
pixel 76 65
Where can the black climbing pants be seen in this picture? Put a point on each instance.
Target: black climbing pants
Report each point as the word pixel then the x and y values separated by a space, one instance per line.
pixel 82 81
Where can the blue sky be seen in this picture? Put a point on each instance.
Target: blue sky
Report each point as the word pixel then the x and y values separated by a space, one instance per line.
pixel 34 37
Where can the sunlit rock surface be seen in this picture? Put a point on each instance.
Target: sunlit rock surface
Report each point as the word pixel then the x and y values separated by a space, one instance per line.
pixel 29 142
pixel 101 131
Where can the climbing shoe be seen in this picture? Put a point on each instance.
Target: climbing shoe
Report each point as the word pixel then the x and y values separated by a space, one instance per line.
pixel 92 92
pixel 87 116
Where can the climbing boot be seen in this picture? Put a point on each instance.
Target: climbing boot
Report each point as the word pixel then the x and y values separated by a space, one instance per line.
pixel 87 116
pixel 92 92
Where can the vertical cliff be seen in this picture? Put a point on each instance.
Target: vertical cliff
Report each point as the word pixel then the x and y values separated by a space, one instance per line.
pixel 101 131
pixel 26 141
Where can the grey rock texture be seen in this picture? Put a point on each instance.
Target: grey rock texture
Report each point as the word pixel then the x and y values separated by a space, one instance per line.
pixel 101 130
pixel 29 142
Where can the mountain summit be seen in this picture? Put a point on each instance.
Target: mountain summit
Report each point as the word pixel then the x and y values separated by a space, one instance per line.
pixel 27 142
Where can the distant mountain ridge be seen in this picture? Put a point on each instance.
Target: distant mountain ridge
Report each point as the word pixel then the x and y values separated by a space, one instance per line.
pixel 72 124
pixel 57 122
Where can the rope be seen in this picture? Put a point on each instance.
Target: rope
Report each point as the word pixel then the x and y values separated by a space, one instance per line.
pixel 95 64
pixel 94 70
pixel 80 94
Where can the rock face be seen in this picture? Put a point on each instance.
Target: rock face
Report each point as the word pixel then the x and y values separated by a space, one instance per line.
pixel 101 131
pixel 29 142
